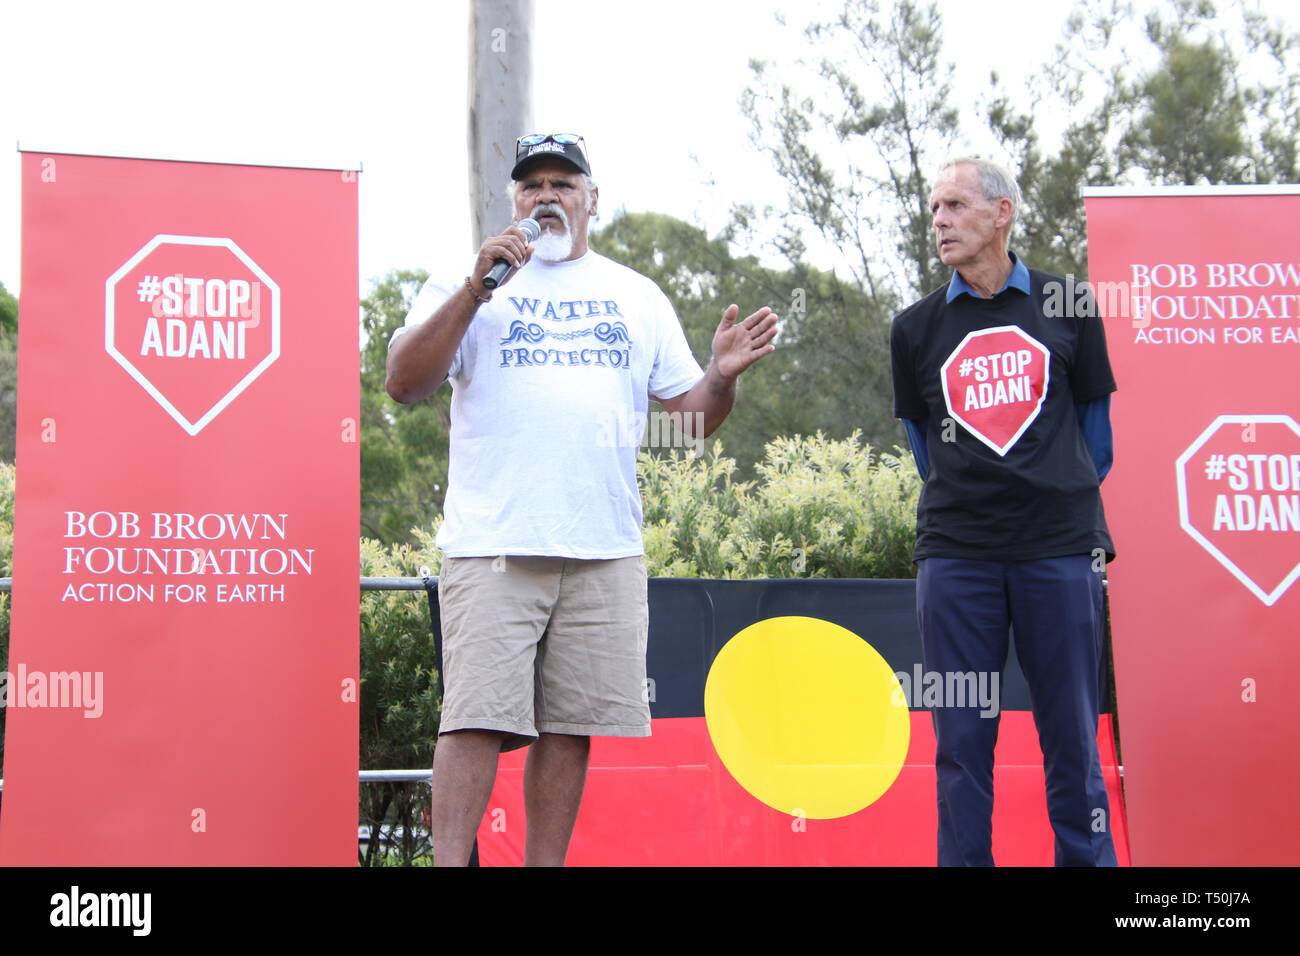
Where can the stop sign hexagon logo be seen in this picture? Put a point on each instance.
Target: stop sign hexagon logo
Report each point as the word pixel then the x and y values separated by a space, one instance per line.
pixel 194 320
pixel 1239 498
pixel 994 383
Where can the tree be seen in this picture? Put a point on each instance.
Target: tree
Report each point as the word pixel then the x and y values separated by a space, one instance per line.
pixel 855 150
pixel 8 373
pixel 1189 126
pixel 826 373
pixel 1190 104
pixel 881 111
pixel 1179 94
pixel 1051 230
pixel 1273 52
pixel 403 447
pixel 8 312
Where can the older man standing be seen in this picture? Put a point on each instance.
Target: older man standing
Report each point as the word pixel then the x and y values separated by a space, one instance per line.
pixel 543 585
pixel 1005 399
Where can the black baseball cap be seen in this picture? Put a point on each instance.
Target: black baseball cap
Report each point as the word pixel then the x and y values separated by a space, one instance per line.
pixel 536 146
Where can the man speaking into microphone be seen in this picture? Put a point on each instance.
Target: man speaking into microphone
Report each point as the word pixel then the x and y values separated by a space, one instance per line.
pixel 543 585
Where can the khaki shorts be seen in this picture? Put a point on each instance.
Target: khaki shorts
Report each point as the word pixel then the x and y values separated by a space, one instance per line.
pixel 541 645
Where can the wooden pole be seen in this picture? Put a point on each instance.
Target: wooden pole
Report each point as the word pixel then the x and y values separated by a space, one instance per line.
pixel 500 105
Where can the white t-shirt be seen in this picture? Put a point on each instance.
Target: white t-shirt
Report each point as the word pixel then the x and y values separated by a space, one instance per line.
pixel 549 389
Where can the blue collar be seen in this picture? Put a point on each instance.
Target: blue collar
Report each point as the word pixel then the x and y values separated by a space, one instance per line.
pixel 1019 279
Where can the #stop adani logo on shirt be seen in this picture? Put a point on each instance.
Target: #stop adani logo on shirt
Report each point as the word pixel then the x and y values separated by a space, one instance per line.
pixel 994 383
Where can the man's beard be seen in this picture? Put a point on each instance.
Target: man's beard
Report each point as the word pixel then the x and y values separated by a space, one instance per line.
pixel 550 247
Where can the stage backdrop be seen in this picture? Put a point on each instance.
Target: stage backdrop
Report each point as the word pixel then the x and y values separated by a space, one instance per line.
pixel 183 668
pixel 1200 290
pixel 791 728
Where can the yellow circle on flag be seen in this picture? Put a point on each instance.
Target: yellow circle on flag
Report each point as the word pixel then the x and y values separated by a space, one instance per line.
pixel 807 716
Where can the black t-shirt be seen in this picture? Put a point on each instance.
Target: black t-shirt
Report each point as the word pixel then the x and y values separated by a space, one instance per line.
pixel 1011 478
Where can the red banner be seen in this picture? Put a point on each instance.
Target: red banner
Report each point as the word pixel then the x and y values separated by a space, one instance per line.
pixel 182 677
pixel 1200 290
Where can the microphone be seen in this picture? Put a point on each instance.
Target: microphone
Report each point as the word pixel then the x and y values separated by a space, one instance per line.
pixel 497 273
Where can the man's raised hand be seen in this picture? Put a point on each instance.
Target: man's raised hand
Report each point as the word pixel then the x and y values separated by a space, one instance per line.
pixel 738 345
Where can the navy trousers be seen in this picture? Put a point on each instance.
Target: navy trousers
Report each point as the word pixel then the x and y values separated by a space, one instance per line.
pixel 967 611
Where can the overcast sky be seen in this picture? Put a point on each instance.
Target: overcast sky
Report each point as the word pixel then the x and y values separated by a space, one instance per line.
pixel 653 87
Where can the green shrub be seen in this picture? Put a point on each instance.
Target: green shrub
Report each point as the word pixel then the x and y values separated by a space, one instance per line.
pixel 818 508
pixel 690 508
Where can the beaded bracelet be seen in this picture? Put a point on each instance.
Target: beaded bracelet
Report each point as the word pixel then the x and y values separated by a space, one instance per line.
pixel 475 294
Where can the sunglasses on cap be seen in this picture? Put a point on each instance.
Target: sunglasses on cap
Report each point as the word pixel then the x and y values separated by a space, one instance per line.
pixel 533 139
pixel 569 147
